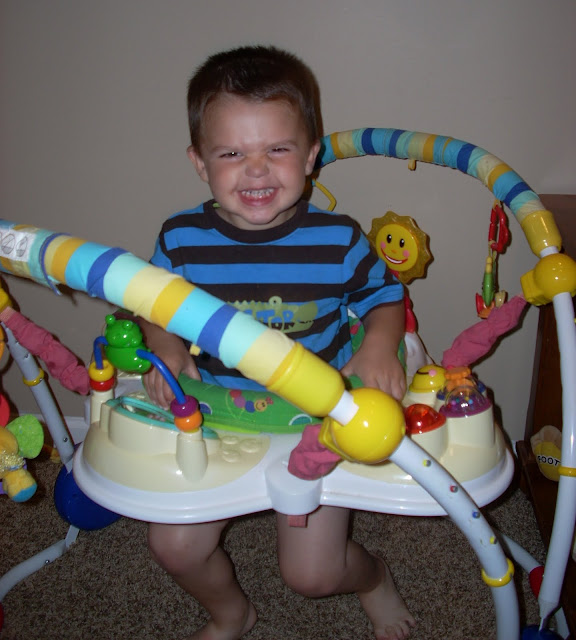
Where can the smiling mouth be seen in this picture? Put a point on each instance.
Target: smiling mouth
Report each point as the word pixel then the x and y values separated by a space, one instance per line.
pixel 393 260
pixel 257 194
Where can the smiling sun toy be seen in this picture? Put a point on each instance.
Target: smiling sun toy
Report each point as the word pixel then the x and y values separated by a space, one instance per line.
pixel 401 244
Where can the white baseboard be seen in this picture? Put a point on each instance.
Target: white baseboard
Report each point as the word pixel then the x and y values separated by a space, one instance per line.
pixel 77 427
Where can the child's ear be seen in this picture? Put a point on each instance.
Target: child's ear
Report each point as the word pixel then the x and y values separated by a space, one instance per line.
pixel 311 160
pixel 198 163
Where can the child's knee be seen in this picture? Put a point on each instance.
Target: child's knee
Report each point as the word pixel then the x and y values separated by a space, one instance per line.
pixel 162 548
pixel 310 580
pixel 173 548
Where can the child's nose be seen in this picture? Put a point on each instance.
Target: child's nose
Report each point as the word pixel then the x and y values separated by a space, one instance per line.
pixel 257 166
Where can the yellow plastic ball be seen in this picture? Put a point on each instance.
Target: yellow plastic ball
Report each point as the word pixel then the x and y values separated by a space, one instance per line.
pixel 373 434
pixel 555 274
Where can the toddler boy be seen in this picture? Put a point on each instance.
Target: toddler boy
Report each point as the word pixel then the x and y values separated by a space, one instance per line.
pixel 254 127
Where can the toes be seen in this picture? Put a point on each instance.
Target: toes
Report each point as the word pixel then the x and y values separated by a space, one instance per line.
pixel 400 631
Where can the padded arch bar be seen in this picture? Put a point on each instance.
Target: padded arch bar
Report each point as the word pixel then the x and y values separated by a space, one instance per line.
pixel 506 185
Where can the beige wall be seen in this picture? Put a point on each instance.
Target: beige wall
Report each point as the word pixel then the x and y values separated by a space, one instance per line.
pixel 93 133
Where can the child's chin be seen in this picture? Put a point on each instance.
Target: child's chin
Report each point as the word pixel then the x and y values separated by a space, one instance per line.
pixel 262 220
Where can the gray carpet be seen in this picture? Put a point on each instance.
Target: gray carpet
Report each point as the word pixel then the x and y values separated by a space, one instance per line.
pixel 107 588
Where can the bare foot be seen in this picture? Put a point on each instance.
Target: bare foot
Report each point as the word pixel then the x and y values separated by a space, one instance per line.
pixel 210 631
pixel 386 609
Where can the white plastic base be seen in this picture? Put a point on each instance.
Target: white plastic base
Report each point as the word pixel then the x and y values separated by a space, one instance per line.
pixel 135 462
pixel 269 485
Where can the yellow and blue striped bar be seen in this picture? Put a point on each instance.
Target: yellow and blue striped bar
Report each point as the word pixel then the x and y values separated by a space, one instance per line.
pixel 240 341
pixel 506 185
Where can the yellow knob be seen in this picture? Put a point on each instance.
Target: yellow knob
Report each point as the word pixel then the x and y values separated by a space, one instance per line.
pixel 373 434
pixel 430 377
pixel 554 274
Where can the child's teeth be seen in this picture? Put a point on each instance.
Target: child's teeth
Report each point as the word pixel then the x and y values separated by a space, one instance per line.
pixel 258 193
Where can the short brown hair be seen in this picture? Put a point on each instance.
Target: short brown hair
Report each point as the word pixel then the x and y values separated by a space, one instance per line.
pixel 258 73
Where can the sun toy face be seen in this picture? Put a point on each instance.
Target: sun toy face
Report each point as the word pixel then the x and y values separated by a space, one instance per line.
pixel 401 244
pixel 396 247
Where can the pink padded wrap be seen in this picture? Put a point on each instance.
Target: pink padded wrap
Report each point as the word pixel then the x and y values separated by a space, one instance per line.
pixel 477 340
pixel 60 362
pixel 311 460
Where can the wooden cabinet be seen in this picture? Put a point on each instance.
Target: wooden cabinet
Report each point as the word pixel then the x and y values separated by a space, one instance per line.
pixel 546 404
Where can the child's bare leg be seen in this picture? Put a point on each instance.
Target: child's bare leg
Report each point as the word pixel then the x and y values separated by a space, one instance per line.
pixel 385 608
pixel 320 559
pixel 192 555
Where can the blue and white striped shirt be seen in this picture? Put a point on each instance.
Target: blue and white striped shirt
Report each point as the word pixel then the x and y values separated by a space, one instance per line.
pixel 300 277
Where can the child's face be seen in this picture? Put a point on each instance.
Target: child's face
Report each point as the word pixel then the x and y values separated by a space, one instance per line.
pixel 255 156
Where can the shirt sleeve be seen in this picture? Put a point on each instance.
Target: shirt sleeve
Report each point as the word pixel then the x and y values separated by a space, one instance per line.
pixel 369 282
pixel 159 257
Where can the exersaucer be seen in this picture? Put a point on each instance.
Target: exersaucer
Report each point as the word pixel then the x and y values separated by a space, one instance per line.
pixel 363 426
pixel 136 462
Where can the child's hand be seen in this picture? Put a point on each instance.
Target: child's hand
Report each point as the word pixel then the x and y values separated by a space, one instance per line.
pixel 376 361
pixel 155 384
pixel 173 353
pixel 378 369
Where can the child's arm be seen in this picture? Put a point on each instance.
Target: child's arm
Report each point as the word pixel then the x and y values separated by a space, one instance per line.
pixel 376 362
pixel 172 351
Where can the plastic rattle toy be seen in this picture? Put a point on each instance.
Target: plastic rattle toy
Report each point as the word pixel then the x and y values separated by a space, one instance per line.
pixel 498 239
